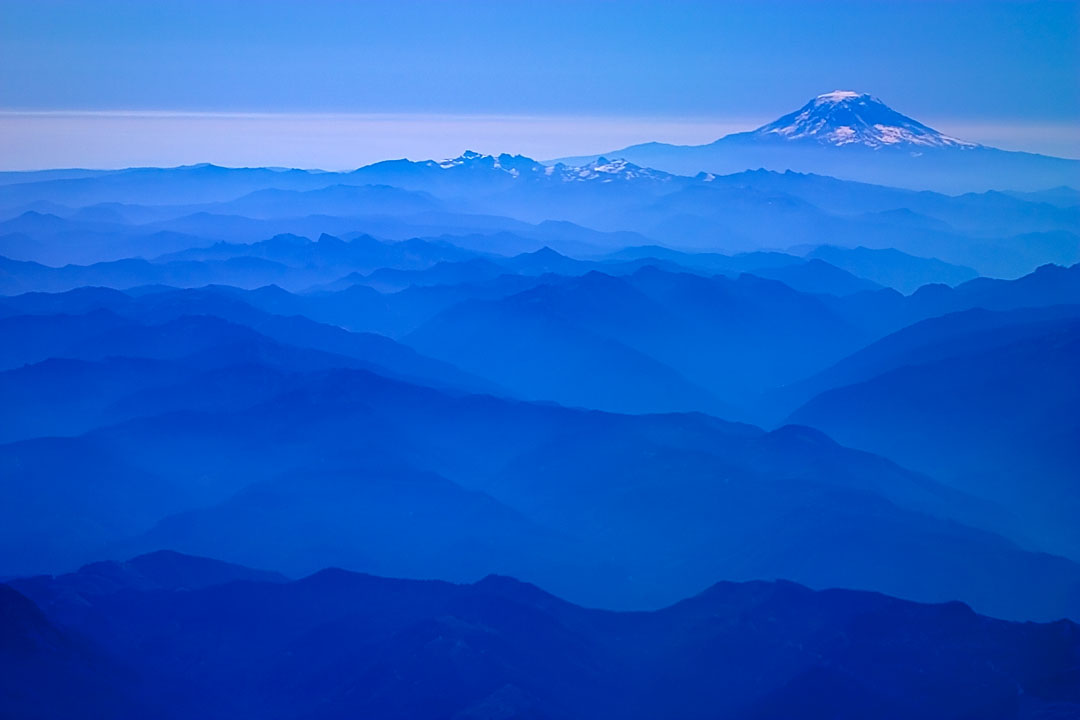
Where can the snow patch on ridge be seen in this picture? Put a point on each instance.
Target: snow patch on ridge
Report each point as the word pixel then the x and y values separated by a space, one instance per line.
pixel 518 166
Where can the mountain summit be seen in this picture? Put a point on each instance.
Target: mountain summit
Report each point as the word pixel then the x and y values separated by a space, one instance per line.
pixel 844 117
pixel 855 136
pixel 498 170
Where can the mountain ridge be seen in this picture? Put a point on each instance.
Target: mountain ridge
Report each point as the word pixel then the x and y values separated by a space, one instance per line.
pixel 340 644
pixel 854 136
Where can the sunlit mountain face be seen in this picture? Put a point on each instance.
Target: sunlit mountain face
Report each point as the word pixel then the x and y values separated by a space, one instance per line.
pixel 783 425
pixel 843 117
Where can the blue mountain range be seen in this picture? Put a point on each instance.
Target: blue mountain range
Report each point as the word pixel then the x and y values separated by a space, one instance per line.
pixel 780 426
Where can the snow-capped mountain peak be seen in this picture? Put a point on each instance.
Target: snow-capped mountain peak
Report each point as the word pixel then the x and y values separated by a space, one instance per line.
pixel 518 166
pixel 846 117
pixel 605 170
pixel 512 164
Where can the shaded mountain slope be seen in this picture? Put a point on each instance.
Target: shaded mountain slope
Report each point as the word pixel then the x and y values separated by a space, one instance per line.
pixel 49 672
pixel 999 420
pixel 893 268
pixel 957 333
pixel 337 644
pixel 731 337
pixel 656 505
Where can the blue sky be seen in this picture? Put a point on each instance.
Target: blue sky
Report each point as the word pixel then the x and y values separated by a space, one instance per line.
pixel 1005 72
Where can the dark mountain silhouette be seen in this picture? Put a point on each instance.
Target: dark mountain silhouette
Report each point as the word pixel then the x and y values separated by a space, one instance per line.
pixel 526 345
pixel 718 334
pixel 1062 196
pixel 360 253
pixel 163 570
pixel 65 396
pixel 65 496
pixel 369 349
pixel 162 186
pixel 379 515
pixel 40 338
pixel 985 214
pixel 443 273
pixel 950 335
pixel 818 277
pixel 724 335
pixel 692 493
pixel 48 318
pixel 49 672
pixel 992 408
pixel 55 240
pixel 885 311
pixel 707 262
pixel 123 274
pixel 357 307
pixel 70 373
pixel 73 302
pixel 340 200
pixel 892 268
pixel 339 644
pixel 304 265
pixel 1048 285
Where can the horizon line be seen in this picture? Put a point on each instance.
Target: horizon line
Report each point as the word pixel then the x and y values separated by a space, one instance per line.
pixel 118 138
